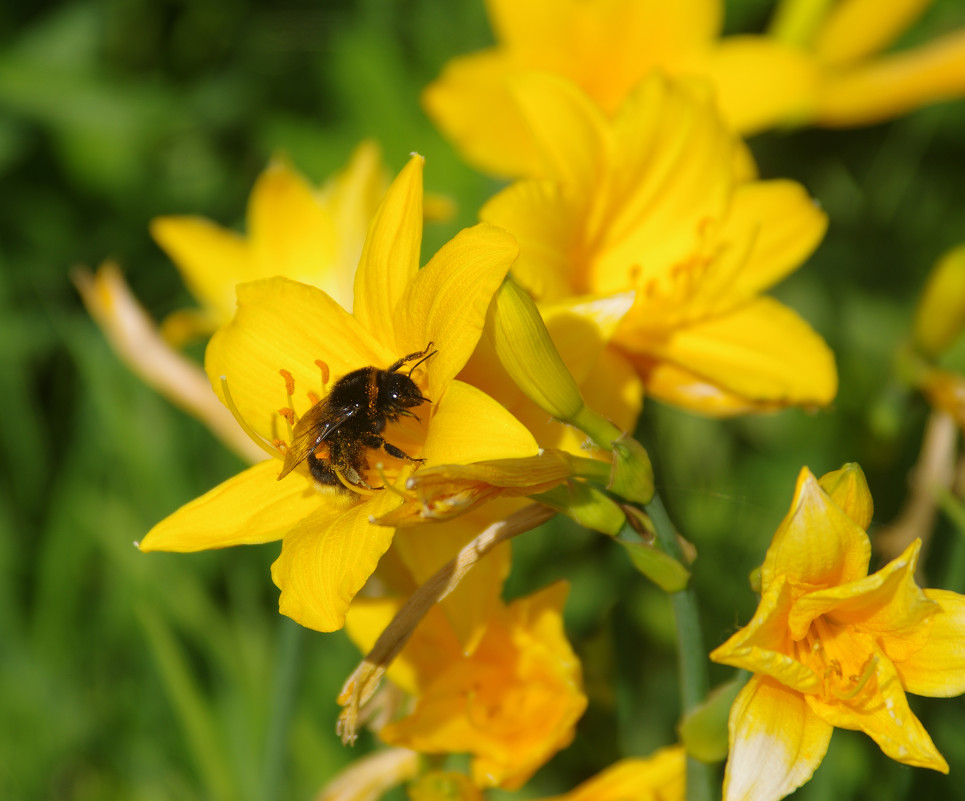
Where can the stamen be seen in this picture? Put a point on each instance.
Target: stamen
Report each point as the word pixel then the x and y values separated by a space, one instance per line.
pixel 257 438
pixel 355 487
pixel 325 373
pixel 859 682
pixel 289 382
pixel 313 398
pixel 387 484
pixel 289 412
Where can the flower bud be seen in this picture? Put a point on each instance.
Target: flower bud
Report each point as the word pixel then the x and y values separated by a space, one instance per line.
pixel 525 349
pixel 941 310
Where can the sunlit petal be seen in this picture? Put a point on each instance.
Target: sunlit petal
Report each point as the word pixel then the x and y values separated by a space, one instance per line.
pixel 776 742
pixel 249 508
pixel 854 29
pixel 327 558
pixel 390 257
pixel 881 711
pixel 447 300
pixel 454 438
pixel 938 668
pixel 839 554
pixel 761 82
pixel 762 351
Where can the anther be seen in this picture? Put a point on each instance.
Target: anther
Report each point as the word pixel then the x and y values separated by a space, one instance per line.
pixel 289 382
pixel 325 372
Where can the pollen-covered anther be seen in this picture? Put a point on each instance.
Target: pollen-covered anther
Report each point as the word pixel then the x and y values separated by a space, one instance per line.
pixel 289 382
pixel 288 414
pixel 325 372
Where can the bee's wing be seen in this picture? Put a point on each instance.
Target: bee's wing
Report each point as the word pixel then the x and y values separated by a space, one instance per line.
pixel 313 428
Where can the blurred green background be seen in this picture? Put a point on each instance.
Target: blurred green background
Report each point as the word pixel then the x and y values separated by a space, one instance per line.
pixel 126 676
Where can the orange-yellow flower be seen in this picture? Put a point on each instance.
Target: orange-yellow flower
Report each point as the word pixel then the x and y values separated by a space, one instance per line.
pixel 859 84
pixel 294 229
pixel 606 47
pixel 832 646
pixel 656 202
pixel 330 547
pixel 818 65
pixel 306 233
pixel 659 777
pixel 511 700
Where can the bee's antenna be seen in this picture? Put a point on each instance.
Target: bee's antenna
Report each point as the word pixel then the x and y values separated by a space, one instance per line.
pixel 424 358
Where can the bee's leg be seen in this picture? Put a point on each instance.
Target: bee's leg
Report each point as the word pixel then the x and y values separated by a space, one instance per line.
pixel 398 453
pixel 377 443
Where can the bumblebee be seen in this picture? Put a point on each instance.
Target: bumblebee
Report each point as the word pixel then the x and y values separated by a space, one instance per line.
pixel 350 420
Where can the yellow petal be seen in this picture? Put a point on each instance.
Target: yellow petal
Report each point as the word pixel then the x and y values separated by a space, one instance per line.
pixel 857 28
pixel 250 508
pixel 659 777
pixel 785 225
pixel 848 488
pixel 390 257
pixel 211 259
pixel 469 607
pixel 776 742
pixel 512 704
pixel 887 604
pixel 881 711
pixel 762 351
pixel 447 301
pixel 677 386
pixel 940 315
pixel 816 543
pixel 469 426
pixel 326 560
pixel 894 85
pixel 546 226
pixel 669 177
pixel 569 129
pixel 291 233
pixel 761 82
pixel 938 668
pixel 764 645
pixel 471 104
pixel 283 324
pixel 432 646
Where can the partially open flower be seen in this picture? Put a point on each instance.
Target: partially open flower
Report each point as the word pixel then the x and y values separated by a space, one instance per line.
pixel 832 646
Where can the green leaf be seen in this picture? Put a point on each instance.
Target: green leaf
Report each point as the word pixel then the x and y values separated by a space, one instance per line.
pixel 704 730
pixel 662 569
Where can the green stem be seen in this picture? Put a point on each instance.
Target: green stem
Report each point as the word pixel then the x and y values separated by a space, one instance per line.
pixel 692 656
pixel 283 702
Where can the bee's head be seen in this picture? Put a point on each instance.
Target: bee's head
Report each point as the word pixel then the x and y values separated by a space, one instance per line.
pixel 399 392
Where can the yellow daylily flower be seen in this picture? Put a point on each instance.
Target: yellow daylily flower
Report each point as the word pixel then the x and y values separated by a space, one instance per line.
pixel 659 777
pixel 306 233
pixel 607 47
pixel 511 702
pixel 857 83
pixel 329 545
pixel 650 202
pixel 303 232
pixel 832 646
